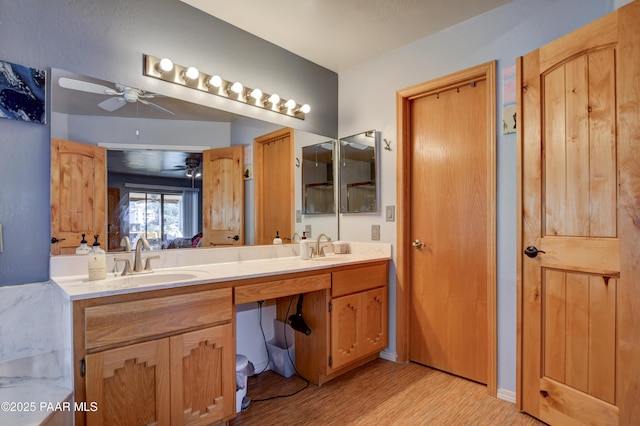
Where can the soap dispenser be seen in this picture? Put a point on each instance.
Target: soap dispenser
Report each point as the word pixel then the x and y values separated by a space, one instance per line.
pixel 97 262
pixel 84 248
pixel 277 239
pixel 304 247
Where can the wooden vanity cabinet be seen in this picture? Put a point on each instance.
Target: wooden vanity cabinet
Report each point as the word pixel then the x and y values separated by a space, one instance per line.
pixel 167 360
pixel 349 323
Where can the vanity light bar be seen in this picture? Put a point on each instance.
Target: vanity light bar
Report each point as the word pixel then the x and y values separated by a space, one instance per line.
pixel 165 69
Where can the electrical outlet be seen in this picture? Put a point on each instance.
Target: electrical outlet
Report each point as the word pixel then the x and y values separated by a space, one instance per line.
pixel 375 232
pixel 307 231
pixel 390 214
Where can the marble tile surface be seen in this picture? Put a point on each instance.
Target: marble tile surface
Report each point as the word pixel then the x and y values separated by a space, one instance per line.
pixel 34 352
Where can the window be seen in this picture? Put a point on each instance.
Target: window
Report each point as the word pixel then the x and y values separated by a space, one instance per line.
pixel 162 216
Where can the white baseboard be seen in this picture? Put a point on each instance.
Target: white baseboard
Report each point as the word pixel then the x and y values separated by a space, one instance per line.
pixel 506 395
pixel 389 356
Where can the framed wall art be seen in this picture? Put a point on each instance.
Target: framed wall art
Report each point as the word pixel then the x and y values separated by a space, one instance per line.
pixel 22 93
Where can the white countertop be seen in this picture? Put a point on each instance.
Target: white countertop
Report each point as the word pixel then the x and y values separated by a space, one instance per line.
pixel 78 287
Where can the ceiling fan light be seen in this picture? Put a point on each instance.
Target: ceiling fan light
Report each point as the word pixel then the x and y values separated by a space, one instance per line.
pixel 198 173
pixel 165 65
pixel 189 173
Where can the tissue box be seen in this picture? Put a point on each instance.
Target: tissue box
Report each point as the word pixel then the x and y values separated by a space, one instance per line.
pixel 278 356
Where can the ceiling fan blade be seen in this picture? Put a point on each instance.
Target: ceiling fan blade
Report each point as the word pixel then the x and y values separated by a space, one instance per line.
pixel 85 86
pixel 154 106
pixel 112 104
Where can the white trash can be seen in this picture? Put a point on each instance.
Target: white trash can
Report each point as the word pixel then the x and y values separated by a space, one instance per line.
pixel 243 369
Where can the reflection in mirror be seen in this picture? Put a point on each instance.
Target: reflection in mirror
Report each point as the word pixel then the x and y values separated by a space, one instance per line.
pixel 358 173
pixel 151 144
pixel 317 179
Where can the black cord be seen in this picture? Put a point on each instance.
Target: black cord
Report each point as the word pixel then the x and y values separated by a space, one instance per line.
pixel 260 303
pixel 290 359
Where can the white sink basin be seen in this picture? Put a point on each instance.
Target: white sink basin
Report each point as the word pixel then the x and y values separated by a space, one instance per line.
pixel 159 277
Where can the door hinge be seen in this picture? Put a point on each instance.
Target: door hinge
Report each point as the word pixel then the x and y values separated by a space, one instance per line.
pixel 83 368
pixel 330 306
pixel 330 361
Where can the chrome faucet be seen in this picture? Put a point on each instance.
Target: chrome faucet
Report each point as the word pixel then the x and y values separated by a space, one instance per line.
pixel 293 237
pixel 137 260
pixel 317 250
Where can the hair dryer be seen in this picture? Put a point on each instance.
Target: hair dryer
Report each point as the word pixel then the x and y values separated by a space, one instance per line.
pixel 297 322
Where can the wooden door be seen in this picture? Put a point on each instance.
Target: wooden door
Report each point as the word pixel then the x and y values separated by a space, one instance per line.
pixel 203 376
pixel 223 197
pixel 130 385
pixel 450 219
pixel 113 227
pixel 78 195
pixel 580 138
pixel 273 174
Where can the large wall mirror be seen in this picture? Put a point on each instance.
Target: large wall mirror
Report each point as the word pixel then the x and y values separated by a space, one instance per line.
pixel 359 173
pixel 155 161
pixel 318 190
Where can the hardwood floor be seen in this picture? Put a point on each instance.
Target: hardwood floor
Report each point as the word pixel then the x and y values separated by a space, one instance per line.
pixel 379 393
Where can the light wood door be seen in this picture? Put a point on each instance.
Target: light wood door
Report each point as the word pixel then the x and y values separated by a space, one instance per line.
pixel 223 197
pixel 449 217
pixel 579 184
pixel 203 379
pixel 78 195
pixel 130 385
pixel 273 174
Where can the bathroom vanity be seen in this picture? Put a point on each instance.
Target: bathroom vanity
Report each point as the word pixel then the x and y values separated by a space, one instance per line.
pixel 160 347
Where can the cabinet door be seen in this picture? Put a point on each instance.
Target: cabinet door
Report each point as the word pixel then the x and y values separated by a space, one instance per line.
pixel 358 326
pixel 346 330
pixel 130 385
pixel 203 376
pixel 375 320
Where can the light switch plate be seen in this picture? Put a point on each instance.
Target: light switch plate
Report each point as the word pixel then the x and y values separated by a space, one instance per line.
pixel 298 216
pixel 390 213
pixel 375 232
pixel 307 230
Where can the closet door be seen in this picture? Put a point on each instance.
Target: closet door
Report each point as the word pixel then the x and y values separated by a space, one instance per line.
pixel 580 178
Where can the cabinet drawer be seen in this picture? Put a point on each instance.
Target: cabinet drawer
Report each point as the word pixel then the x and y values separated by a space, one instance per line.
pixel 127 321
pixel 358 279
pixel 281 288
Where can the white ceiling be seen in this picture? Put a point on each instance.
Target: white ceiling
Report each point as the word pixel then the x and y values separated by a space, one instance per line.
pixel 340 34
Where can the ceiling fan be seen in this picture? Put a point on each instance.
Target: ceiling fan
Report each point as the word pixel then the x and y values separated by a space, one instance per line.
pixel 121 95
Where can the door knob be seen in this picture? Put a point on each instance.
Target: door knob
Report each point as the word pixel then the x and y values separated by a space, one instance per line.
pixel 234 238
pixel 418 244
pixel 532 251
pixel 56 240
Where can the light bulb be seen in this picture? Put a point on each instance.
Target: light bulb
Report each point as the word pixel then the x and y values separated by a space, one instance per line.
pixel 236 88
pixel 165 65
pixel 256 94
pixel 290 104
pixel 215 81
pixel 274 99
pixel 305 109
pixel 192 73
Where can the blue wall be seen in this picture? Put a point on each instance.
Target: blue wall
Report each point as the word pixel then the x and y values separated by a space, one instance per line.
pixel 106 39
